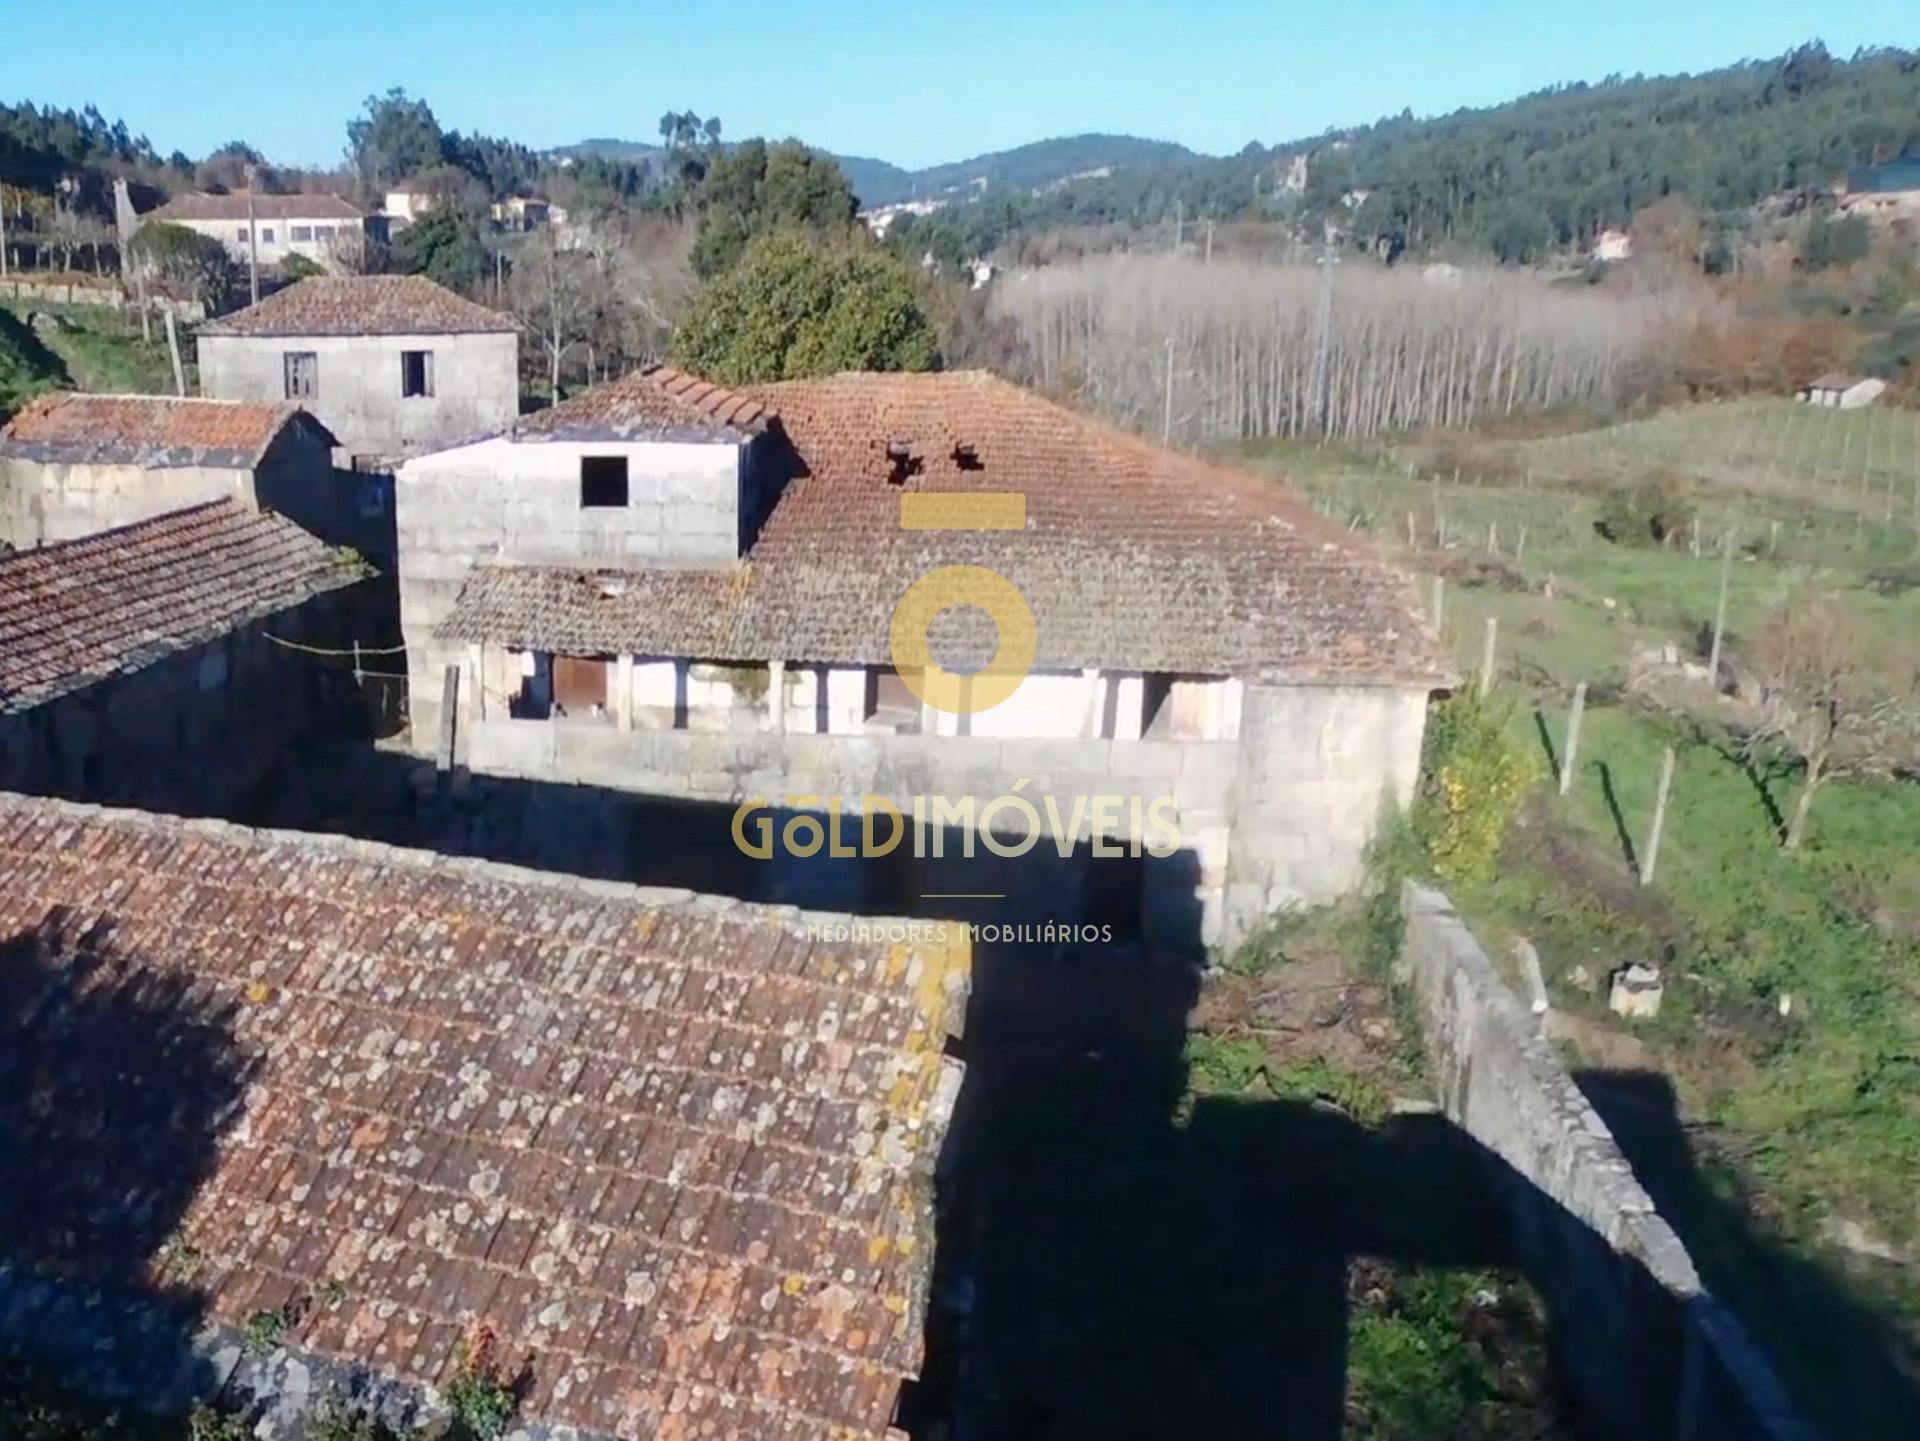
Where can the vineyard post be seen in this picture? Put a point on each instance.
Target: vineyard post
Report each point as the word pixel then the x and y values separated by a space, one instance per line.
pixel 1720 611
pixel 1487 654
pixel 1659 819
pixel 1574 715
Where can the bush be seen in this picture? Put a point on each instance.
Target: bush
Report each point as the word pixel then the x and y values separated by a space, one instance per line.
pixel 1474 778
pixel 1648 513
pixel 298 267
pixel 185 263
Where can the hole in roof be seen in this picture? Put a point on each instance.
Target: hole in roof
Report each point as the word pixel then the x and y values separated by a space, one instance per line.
pixel 903 461
pixel 968 458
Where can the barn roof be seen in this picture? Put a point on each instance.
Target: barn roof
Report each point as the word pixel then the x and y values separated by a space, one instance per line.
pixel 673 1152
pixel 1130 556
pixel 83 610
pixel 361 305
pixel 150 430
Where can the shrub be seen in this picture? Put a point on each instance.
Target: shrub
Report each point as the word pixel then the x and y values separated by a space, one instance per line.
pixel 480 1400
pixel 185 262
pixel 1648 513
pixel 1475 775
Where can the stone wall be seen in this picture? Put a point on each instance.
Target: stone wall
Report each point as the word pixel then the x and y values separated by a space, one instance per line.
pixel 43 502
pixel 1323 765
pixel 92 290
pixel 1650 1354
pixel 476 385
pixel 193 732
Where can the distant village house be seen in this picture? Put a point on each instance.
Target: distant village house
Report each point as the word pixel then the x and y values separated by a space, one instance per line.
pixel 393 365
pixel 322 228
pixel 1837 390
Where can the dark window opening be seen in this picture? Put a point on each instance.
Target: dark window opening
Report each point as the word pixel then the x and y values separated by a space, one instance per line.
pixel 416 372
pixel 300 233
pixel 266 235
pixel 603 482
pixel 302 369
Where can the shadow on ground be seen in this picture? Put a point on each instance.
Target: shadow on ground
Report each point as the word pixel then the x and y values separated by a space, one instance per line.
pixel 1848 1365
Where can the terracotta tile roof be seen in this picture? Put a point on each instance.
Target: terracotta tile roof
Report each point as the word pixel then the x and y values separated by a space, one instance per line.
pixel 150 430
pixel 233 206
pixel 668 1147
pixel 659 403
pixel 361 305
pixel 74 613
pixel 1133 557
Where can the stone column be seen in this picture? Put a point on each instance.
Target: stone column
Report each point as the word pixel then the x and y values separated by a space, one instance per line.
pixel 623 692
pixel 777 696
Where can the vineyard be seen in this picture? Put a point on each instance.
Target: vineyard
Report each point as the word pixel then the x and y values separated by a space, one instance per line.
pixel 1793 976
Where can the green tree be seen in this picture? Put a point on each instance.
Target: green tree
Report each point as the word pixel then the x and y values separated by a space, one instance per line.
pixel 394 137
pixel 757 188
pixel 184 262
pixel 447 244
pixel 793 307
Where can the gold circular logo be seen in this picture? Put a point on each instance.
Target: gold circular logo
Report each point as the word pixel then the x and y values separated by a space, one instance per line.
pixel 1013 650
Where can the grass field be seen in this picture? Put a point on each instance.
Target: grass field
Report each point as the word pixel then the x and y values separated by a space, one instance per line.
pixel 102 349
pixel 1790 1030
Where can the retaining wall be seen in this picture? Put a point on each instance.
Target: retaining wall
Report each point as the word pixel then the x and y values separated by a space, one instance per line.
pixel 1648 1353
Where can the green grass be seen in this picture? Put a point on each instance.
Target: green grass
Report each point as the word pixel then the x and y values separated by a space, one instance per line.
pixel 27 367
pixel 102 349
pixel 1793 1122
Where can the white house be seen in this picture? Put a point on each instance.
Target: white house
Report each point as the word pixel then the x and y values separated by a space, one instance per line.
pixel 1612 244
pixel 322 228
pixel 1837 390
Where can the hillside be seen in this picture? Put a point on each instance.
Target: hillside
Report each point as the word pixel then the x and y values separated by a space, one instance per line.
pixel 1534 175
pixel 27 367
pixel 1035 166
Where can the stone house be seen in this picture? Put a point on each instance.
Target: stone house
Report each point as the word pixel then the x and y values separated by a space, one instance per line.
pixel 322 228
pixel 74 464
pixel 676 1152
pixel 135 666
pixel 665 586
pixel 393 365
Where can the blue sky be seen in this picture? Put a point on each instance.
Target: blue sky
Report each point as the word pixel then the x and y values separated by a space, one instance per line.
pixel 914 84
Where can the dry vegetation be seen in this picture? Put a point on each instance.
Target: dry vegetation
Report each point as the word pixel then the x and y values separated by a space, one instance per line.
pixel 1408 348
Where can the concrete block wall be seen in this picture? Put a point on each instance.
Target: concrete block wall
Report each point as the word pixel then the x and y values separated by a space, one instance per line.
pixel 1289 805
pixel 476 385
pixel 1650 1353
pixel 1319 768
pixel 43 502
pixel 520 501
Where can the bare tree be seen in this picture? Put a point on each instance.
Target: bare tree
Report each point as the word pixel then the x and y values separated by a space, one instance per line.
pixel 1406 348
pixel 1835 696
pixel 558 295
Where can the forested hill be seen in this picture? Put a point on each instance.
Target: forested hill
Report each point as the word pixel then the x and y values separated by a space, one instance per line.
pixel 1031 167
pixel 1025 168
pixel 1532 175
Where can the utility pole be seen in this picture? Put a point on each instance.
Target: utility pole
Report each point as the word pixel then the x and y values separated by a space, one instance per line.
pixel 1179 223
pixel 1209 242
pixel 1323 349
pixel 1166 418
pixel 3 231
pixel 253 244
